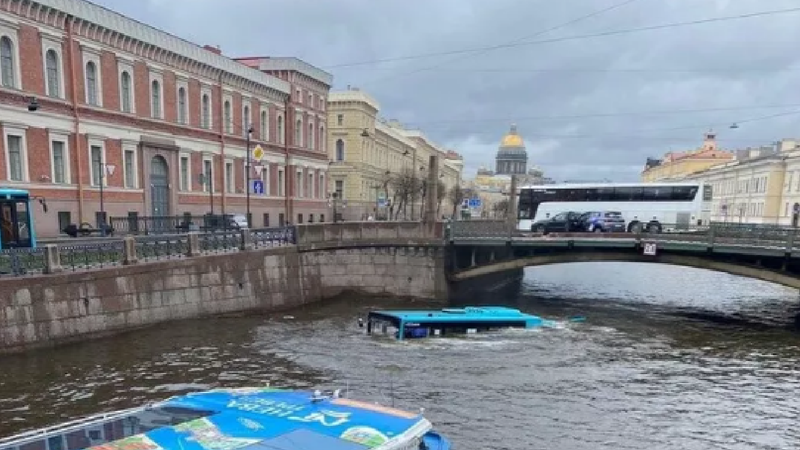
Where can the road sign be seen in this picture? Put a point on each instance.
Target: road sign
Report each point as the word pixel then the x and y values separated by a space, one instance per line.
pixel 258 187
pixel 258 153
pixel 258 168
pixel 382 203
pixel 474 202
pixel 110 169
pixel 650 249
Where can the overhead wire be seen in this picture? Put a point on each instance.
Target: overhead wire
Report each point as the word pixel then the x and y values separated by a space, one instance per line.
pixel 515 41
pixel 572 38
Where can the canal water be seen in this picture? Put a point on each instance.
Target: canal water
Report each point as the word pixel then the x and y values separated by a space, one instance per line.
pixel 668 358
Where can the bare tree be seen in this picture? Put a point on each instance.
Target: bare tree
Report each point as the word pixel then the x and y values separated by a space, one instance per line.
pixel 405 186
pixel 441 193
pixel 456 195
pixel 500 209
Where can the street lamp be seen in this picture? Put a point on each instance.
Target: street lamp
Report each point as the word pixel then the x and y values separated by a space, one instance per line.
pixel 249 132
pixel 33 104
pixel 206 180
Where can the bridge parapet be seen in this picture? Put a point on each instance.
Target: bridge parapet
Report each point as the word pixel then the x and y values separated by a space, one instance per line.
pixel 480 229
pixel 367 231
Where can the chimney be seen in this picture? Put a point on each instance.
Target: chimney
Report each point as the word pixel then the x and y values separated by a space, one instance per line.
pixel 213 49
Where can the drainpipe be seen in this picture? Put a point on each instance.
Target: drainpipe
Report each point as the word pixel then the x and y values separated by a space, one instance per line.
pixel 286 171
pixel 76 116
pixel 222 132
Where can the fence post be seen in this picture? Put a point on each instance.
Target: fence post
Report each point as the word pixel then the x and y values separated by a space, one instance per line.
pixel 246 241
pixel 711 236
pixel 129 251
pixel 52 259
pixel 194 244
pixel 790 242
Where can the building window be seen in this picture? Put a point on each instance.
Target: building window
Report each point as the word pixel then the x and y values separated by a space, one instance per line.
pixel 323 190
pixel 185 173
pixel 182 107
pixel 340 119
pixel 59 162
pixel 281 136
pixel 130 169
pixel 227 117
pixel 206 112
pixel 16 158
pixel 311 191
pixel 298 185
pixel 53 73
pixel 229 180
pixel 311 140
pixel 91 83
pixel 245 120
pixel 7 62
pixel 298 133
pixel 339 189
pixel 127 95
pixel 208 175
pixel 322 138
pixel 96 169
pixel 155 92
pixel 281 183
pixel 264 126
pixel 339 150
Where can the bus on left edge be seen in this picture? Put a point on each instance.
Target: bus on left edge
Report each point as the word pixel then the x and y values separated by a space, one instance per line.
pixel 16 219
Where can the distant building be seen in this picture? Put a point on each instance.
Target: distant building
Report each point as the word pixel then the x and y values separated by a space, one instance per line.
pixel 679 165
pixel 511 159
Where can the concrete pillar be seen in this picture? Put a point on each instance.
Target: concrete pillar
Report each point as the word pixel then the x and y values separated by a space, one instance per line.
pixel 52 259
pixel 194 244
pixel 431 194
pixel 129 251
pixel 246 241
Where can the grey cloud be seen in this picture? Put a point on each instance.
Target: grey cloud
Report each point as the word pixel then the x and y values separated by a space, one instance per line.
pixel 464 106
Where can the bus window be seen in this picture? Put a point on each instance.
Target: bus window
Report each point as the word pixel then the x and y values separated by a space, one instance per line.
pixel 23 221
pixel 526 208
pixel 684 193
pixel 658 194
pixel 628 194
pixel 6 225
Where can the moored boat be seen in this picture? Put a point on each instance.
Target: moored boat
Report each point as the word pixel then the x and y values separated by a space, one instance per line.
pixel 415 324
pixel 242 418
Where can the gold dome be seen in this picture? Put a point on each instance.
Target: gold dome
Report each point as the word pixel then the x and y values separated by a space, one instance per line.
pixel 512 139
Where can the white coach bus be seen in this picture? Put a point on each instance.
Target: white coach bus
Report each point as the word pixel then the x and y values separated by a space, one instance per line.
pixel 653 207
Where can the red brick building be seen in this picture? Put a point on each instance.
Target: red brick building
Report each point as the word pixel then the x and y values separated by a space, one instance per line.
pixel 152 112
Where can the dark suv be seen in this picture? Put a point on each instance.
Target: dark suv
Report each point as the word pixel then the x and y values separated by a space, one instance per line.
pixel 603 221
pixel 565 222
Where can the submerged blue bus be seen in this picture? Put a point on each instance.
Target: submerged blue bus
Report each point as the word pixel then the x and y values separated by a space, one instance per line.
pixel 16 220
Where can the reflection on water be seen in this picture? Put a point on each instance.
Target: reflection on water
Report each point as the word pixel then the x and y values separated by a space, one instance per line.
pixel 668 358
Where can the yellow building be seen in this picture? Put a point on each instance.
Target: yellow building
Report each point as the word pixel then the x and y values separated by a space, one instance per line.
pixel 368 155
pixel 680 165
pixel 762 185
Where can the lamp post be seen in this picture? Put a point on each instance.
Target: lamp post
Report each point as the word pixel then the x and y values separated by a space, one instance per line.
pixel 249 132
pixel 102 168
pixel 205 180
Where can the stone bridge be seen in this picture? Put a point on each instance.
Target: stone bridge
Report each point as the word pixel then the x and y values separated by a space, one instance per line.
pixel 771 253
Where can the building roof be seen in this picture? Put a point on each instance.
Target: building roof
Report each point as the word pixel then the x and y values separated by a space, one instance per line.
pixel 290 63
pixel 512 139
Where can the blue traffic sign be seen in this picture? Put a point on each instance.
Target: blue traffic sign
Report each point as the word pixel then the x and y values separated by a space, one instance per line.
pixel 474 202
pixel 258 187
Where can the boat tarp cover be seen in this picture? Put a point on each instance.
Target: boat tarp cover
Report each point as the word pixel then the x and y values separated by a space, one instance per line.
pixel 270 419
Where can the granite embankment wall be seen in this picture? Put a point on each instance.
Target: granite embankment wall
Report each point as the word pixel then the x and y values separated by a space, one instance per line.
pixel 385 258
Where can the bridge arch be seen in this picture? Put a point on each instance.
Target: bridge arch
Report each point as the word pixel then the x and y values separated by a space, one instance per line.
pixel 759 273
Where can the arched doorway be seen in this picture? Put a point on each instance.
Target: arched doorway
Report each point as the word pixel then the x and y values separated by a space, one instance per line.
pixel 159 187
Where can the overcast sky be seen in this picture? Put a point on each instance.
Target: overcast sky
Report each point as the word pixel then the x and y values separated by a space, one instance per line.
pixel 589 109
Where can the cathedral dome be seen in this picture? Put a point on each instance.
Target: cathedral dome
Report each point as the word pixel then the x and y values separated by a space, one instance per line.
pixel 512 139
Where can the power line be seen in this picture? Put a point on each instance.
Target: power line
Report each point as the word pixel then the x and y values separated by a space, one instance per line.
pixel 515 41
pixel 606 70
pixel 572 38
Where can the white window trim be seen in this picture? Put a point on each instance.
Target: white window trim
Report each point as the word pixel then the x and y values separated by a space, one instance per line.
pixel 265 177
pixel 207 91
pixel 247 120
pixel 63 137
pixel 301 185
pixel 126 66
pixel 92 55
pixel 10 30
pixel 182 82
pixel 311 141
pixel 156 75
pixel 281 186
pixel 130 147
pixel 311 185
pixel 230 184
pixel 323 190
pixel 21 131
pixel 96 142
pixel 213 175
pixel 322 138
pixel 302 128
pixel 344 188
pixel 281 133
pixel 53 43
pixel 228 127
pixel 188 156
pixel 264 136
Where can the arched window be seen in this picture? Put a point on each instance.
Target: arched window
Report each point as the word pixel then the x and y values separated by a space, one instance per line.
pixel 53 74
pixel 182 107
pixel 245 120
pixel 322 138
pixel 227 117
pixel 264 126
pixel 281 137
pixel 340 150
pixel 298 133
pixel 206 111
pixel 311 140
pixel 7 61
pixel 155 93
pixel 91 83
pixel 125 83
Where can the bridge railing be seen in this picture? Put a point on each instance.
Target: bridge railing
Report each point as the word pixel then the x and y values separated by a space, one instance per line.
pixel 365 231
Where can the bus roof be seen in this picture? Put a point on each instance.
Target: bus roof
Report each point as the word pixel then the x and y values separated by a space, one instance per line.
pixel 12 191
pixel 607 185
